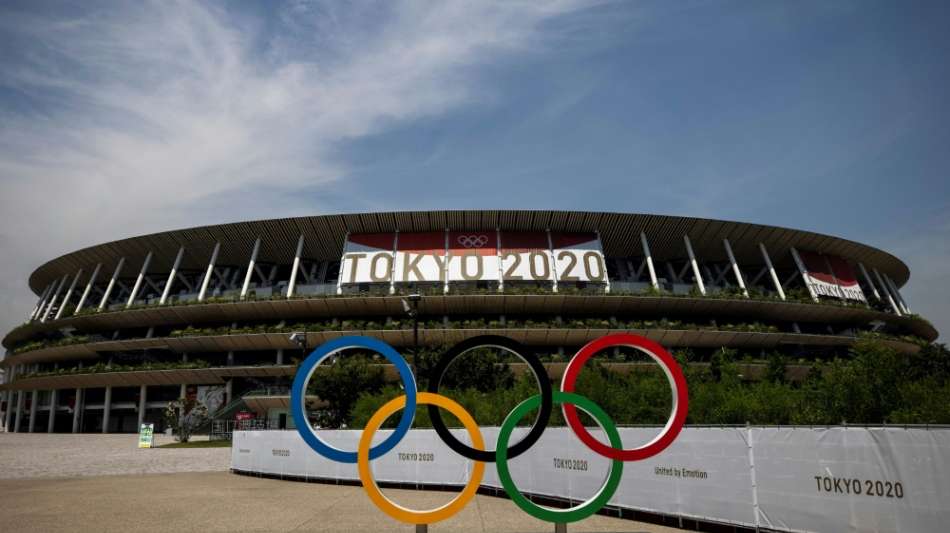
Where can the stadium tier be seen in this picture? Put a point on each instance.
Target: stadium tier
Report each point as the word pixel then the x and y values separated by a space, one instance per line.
pixel 223 313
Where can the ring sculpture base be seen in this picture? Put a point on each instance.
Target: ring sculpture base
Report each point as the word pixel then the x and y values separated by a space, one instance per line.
pixel 560 528
pixel 422 528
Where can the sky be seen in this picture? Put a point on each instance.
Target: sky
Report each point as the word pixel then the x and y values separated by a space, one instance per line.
pixel 118 119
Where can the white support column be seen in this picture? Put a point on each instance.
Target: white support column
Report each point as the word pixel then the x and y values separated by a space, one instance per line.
pixel 42 303
pixel 649 260
pixel 295 268
pixel 111 285
pixel 735 268
pixel 885 290
pixel 77 410
pixel 142 402
pixel 897 294
pixel 339 277
pixel 138 281
pixel 88 289
pixel 804 272
pixel 106 409
pixel 34 407
pixel 250 268
pixel 606 275
pixel 280 356
pixel 772 273
pixel 552 261
pixel 869 281
pixel 228 391
pixel 209 272
pixel 694 265
pixel 69 293
pixel 171 276
pixel 53 394
pixel 19 410
pixel 501 270
pixel 392 266
pixel 445 264
pixel 52 302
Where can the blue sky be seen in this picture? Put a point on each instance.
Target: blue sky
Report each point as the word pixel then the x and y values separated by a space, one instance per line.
pixel 122 119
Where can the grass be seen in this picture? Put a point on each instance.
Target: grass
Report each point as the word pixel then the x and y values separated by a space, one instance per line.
pixel 198 444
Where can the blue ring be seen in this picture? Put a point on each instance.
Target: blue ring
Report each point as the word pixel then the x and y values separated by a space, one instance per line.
pixel 298 396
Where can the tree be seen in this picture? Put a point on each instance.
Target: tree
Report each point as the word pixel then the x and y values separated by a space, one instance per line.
pixel 186 415
pixel 340 384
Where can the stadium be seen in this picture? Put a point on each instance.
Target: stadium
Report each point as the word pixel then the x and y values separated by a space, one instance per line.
pixel 223 313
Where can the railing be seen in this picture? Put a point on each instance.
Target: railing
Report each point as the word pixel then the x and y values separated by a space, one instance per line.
pixel 224 429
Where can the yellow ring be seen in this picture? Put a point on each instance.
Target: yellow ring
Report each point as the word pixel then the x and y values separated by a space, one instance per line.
pixel 394 510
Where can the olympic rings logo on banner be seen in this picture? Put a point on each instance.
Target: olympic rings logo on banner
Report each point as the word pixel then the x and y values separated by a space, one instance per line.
pixel 543 402
pixel 472 241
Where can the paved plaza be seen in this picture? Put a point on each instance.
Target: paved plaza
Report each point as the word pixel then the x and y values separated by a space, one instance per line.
pixel 105 483
pixel 40 455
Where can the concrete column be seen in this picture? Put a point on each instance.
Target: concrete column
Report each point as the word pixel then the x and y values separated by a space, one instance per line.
pixel 735 267
pixel 111 285
pixel 280 356
pixel 42 303
pixel 68 295
pixel 171 276
pixel 77 410
pixel 231 358
pixel 52 302
pixel 19 411
pixel 250 268
pixel 142 392
pixel 768 264
pixel 53 396
pixel 804 272
pixel 209 272
pixel 138 281
pixel 228 391
pixel 552 260
pixel 867 279
pixel 106 409
pixel 694 265
pixel 34 401
pixel 295 268
pixel 649 259
pixel 897 294
pixel 85 292
pixel 184 390
pixel 887 292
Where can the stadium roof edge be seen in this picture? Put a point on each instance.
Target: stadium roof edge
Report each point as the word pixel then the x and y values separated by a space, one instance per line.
pixel 619 232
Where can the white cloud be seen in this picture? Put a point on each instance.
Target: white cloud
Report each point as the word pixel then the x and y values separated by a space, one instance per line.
pixel 147 112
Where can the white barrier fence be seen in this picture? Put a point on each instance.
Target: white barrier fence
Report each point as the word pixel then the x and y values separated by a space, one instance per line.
pixel 786 479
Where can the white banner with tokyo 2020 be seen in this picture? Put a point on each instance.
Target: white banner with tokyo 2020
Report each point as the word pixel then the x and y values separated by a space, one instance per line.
pixel 786 479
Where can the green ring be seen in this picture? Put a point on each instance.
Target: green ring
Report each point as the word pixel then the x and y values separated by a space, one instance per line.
pixel 558 516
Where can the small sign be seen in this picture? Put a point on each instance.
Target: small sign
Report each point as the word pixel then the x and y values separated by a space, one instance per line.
pixel 145 435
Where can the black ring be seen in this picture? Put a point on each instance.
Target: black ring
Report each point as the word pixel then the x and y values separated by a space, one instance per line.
pixel 515 347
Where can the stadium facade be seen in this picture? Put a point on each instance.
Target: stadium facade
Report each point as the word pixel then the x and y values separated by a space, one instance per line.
pixel 122 328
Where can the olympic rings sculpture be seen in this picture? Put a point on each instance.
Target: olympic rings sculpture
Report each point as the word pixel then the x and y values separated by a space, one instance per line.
pixel 543 402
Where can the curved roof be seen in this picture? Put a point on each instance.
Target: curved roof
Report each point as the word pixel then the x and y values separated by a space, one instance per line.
pixel 325 234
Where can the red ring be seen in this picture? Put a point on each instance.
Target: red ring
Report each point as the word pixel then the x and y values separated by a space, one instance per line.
pixel 671 368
